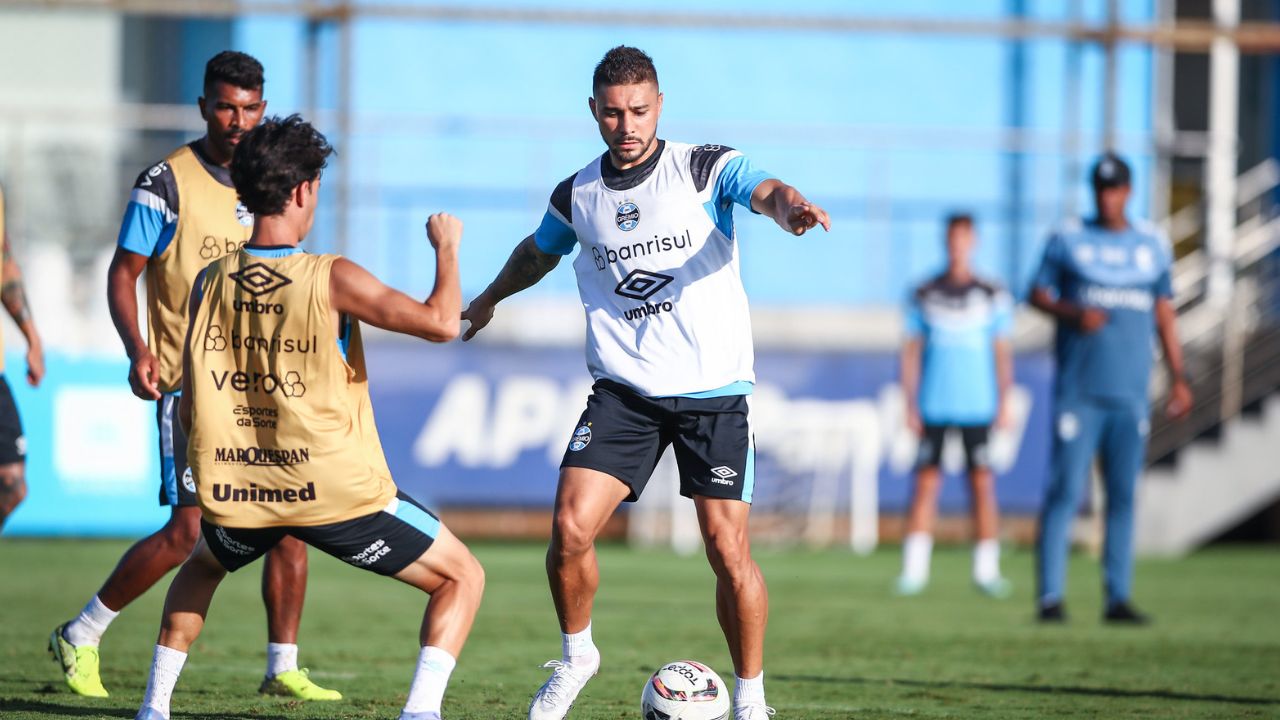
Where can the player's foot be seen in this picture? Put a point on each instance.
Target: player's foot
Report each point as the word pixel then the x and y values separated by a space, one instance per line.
pixel 1122 613
pixel 405 715
pixel 998 588
pixel 908 587
pixel 1052 612
pixel 753 711
pixel 79 665
pixel 297 684
pixel 556 696
pixel 150 713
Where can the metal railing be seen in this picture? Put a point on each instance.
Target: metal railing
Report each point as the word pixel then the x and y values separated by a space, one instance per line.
pixel 1232 348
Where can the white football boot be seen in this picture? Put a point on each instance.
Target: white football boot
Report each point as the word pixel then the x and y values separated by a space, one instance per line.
pixel 555 697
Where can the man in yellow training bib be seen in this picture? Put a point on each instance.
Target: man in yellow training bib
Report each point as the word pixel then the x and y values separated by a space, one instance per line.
pixel 282 437
pixel 183 213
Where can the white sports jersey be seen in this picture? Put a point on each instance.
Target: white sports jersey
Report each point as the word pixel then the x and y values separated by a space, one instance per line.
pixel 658 271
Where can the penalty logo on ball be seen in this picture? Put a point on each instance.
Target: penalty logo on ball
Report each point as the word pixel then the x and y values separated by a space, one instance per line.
pixel 581 437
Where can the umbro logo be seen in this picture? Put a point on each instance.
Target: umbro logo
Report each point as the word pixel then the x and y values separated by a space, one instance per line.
pixel 723 475
pixel 642 284
pixel 258 279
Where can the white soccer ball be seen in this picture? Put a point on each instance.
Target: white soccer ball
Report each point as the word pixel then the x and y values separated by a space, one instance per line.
pixel 685 690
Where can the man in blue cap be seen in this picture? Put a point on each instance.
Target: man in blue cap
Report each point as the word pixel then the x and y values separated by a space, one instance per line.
pixel 1106 282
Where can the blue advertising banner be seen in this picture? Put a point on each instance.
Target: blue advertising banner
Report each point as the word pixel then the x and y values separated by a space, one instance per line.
pixel 485 426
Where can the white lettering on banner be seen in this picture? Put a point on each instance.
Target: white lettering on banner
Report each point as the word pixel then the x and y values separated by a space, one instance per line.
pixel 527 412
pixel 524 417
pixel 477 426
pixel 456 427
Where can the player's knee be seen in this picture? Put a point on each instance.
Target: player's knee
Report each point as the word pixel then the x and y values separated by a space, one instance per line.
pixel 569 536
pixel 728 550
pixel 181 532
pixel 471 576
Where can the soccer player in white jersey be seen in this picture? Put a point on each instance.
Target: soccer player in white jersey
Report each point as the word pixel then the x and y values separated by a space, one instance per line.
pixel 669 345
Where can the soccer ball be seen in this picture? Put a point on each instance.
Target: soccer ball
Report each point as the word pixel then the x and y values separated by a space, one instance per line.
pixel 685 690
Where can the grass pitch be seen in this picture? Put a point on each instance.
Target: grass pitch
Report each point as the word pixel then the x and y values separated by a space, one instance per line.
pixel 838 646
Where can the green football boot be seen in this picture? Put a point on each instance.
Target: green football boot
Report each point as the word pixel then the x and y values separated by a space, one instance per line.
pixel 297 684
pixel 79 665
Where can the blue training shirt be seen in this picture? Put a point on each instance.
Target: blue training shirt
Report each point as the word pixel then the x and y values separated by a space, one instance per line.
pixel 1123 273
pixel 958 326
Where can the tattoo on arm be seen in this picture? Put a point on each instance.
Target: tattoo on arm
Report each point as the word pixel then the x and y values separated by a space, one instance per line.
pixel 14 297
pixel 526 266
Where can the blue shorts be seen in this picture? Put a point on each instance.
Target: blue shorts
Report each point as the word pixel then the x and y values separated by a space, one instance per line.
pixel 177 488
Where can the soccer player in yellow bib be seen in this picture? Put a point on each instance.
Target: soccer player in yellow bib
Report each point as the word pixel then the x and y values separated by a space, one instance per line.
pixel 274 340
pixel 182 214
pixel 13 444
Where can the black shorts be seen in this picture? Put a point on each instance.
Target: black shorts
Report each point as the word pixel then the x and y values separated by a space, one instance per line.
pixel 385 542
pixel 13 444
pixel 177 488
pixel 975 437
pixel 623 434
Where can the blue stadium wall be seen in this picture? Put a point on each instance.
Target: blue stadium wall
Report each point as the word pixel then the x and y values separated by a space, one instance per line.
pixel 889 132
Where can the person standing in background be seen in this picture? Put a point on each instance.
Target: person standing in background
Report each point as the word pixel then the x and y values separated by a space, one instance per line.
pixel 1106 282
pixel 957 369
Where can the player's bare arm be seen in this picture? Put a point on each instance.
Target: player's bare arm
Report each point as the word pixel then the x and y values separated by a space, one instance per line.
pixel 1088 319
pixel 356 292
pixel 1180 397
pixel 788 207
pixel 526 266
pixel 910 371
pixel 14 296
pixel 122 299
pixel 1004 380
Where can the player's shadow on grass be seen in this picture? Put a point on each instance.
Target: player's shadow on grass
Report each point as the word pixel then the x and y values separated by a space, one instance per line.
pixel 1047 689
pixel 58 710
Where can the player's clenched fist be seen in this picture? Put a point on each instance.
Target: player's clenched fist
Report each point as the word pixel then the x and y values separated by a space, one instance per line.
pixel 444 230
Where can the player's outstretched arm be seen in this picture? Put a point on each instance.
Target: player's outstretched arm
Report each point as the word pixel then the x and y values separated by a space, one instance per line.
pixel 122 300
pixel 14 297
pixel 356 292
pixel 527 265
pixel 788 207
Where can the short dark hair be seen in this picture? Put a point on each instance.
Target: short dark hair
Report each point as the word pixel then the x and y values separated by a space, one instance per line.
pixel 233 68
pixel 624 65
pixel 959 219
pixel 273 159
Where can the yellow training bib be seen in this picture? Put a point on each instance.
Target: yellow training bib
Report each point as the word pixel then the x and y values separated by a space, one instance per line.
pixel 282 428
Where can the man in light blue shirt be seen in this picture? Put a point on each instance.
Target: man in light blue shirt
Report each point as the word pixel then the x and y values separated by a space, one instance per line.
pixel 957 367
pixel 1107 283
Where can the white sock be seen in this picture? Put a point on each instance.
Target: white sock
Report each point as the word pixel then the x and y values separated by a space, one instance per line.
pixel 578 647
pixel 281 657
pixel 986 561
pixel 916 551
pixel 90 624
pixel 429 680
pixel 748 690
pixel 165 668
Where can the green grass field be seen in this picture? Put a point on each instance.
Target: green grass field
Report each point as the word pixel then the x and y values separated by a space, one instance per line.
pixel 838 647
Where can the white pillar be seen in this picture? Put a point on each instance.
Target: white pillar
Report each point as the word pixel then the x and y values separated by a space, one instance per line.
pixel 1220 163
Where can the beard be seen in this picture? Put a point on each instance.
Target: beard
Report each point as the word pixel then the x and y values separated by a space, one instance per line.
pixel 623 156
